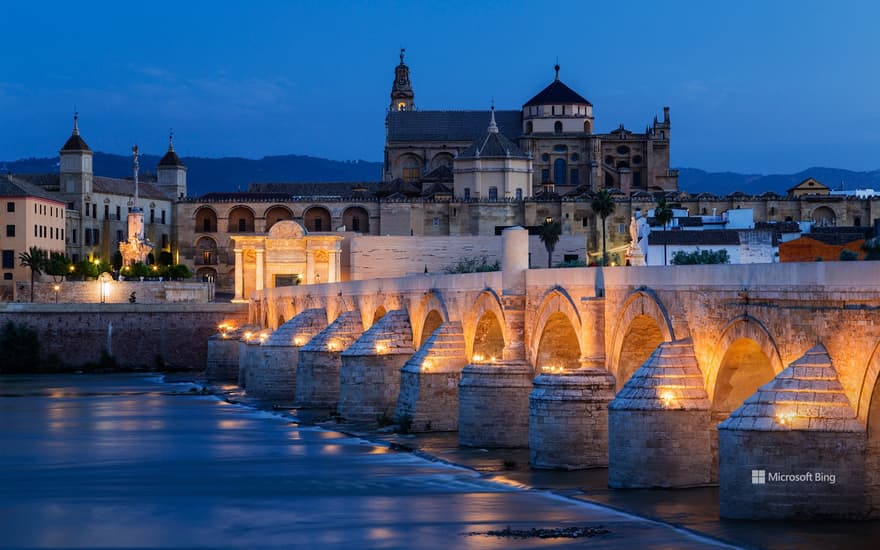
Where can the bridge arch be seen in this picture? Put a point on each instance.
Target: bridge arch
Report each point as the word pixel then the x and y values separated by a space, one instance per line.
pixel 485 327
pixel 869 413
pixel 427 316
pixel 643 324
pixel 556 335
pixel 744 358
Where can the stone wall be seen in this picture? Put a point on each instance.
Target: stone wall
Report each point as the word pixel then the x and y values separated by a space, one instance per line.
pixel 116 292
pixel 136 335
pixel 388 256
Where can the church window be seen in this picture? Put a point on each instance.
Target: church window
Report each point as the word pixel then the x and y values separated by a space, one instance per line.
pixel 529 127
pixel 119 236
pixel 73 237
pixel 152 215
pixel 857 221
pixel 87 240
pixel 118 213
pixel 559 171
pixel 637 159
pixel 242 225
pixel 545 175
pixel 519 193
pixel 557 127
pixel 106 211
pixel 560 148
pixel 206 225
pixel 411 173
pixel 467 193
pixel 545 157
pixel 637 178
pixel 356 224
pixel 575 157
pixel 609 160
pixel 609 180
pixel 575 176
pixel 662 135
pixel 493 193
pixel 96 236
pixel 163 216
pixel 553 110
pixel 622 150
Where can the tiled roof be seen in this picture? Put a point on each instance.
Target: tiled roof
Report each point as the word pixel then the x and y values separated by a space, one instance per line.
pixel 43 180
pixel 837 239
pixel 118 186
pixel 75 143
pixel 557 93
pixel 13 186
pixel 493 145
pixel 708 237
pixel 449 125
pixel 171 160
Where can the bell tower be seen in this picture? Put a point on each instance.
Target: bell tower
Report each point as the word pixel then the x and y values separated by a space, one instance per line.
pixel 402 96
pixel 76 163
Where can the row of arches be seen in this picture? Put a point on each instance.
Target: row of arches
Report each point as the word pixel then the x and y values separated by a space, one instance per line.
pixel 743 356
pixel 243 219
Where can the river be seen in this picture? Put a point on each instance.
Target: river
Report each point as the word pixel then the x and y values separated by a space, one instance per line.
pixel 126 460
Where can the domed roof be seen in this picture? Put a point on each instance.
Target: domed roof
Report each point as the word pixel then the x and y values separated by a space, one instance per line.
pixel 75 142
pixel 557 93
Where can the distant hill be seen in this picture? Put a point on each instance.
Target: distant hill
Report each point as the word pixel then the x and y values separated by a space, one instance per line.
pixel 222 174
pixel 694 180
pixel 232 173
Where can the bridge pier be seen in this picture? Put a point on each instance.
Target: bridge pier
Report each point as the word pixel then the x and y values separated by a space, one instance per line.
pixel 568 419
pixel 369 380
pixel 429 381
pixel 660 429
pixel 222 361
pixel 493 404
pixel 317 368
pixel 801 424
pixel 249 355
pixel 272 375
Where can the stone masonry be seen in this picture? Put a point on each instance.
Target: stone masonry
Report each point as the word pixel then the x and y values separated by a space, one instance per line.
pixel 429 381
pixel 273 374
pixel 369 380
pixel 799 425
pixel 659 424
pixel 317 369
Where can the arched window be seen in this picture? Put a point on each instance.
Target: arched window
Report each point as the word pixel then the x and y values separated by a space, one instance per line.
pixel 557 127
pixel 587 127
pixel 559 171
pixel 529 127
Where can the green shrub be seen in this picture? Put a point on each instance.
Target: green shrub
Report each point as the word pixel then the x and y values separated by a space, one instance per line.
pixel 19 349
pixel 701 257
pixel 473 265
pixel 848 255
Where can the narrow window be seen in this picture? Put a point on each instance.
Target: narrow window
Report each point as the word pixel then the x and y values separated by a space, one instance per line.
pixel 206 225
pixel 118 213
pixel 467 193
pixel 10 230
pixel 356 224
pixel 493 193
pixel 519 193
pixel 242 225
pixel 163 217
pixel 10 207
pixel 152 215
pixel 559 171
pixel 557 127
pixel 106 211
pixel 575 176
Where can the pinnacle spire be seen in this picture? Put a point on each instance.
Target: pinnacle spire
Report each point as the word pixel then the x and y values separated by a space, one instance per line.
pixel 402 51
pixel 493 127
pixel 556 68
pixel 76 123
pixel 171 140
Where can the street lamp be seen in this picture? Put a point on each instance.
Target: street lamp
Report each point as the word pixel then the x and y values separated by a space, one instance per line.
pixel 56 288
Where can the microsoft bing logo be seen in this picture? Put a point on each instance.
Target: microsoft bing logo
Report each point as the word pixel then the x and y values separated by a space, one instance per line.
pixel 759 477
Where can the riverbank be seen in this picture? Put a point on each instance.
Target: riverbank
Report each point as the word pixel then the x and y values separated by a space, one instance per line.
pixel 695 510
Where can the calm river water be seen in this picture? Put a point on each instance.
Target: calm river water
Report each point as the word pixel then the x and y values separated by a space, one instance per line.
pixel 128 461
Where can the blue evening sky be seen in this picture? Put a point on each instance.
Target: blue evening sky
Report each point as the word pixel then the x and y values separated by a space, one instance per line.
pixel 753 86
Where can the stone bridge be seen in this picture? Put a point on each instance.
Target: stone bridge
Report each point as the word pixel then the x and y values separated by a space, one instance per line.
pixel 669 376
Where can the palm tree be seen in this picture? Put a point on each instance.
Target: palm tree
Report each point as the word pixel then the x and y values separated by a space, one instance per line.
pixel 663 214
pixel 34 259
pixel 603 206
pixel 549 235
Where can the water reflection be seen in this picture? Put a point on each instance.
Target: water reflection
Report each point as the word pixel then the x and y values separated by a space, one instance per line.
pixel 117 460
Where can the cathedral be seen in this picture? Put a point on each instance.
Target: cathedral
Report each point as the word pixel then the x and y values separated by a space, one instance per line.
pixel 555 129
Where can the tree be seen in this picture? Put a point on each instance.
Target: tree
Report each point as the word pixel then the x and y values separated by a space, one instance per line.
pixel 603 206
pixel 57 265
pixel 663 214
pixel 549 234
pixel 34 259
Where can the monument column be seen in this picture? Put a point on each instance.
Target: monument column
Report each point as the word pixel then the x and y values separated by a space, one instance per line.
pixel 239 276
pixel 260 260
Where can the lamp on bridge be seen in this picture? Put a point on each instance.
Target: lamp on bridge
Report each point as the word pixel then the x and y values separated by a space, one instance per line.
pixel 56 288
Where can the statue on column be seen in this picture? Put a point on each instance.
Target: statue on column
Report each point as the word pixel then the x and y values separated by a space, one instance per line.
pixel 634 253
